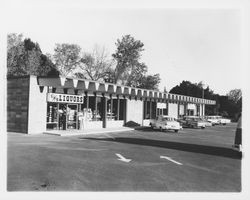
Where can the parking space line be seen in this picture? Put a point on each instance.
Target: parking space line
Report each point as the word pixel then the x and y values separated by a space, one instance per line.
pixel 170 159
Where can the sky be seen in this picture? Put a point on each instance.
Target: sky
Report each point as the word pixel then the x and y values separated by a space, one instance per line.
pixel 194 44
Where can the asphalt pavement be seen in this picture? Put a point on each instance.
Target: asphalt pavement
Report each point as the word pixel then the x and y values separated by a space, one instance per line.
pixel 192 160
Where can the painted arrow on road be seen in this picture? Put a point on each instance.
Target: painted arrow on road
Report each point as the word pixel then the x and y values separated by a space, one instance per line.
pixel 121 158
pixel 170 159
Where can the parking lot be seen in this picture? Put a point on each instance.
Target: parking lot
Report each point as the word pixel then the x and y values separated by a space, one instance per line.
pixel 140 160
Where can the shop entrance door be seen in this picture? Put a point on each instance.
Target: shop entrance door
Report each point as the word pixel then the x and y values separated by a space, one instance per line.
pixel 72 122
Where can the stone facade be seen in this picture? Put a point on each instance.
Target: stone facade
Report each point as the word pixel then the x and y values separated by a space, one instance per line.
pixel 17 104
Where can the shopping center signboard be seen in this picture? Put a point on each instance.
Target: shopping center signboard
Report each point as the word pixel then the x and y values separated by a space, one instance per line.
pixel 64 98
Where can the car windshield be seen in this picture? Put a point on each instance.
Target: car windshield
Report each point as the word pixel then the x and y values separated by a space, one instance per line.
pixel 169 118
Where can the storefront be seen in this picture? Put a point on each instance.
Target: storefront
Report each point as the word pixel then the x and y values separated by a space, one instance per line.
pixel 63 111
pixel 37 104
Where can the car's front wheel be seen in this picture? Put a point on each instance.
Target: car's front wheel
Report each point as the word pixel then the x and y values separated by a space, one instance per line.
pixel 176 131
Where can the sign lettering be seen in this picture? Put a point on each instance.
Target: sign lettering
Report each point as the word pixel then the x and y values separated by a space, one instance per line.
pixel 64 98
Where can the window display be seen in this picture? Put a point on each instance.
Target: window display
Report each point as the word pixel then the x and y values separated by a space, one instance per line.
pixel 72 116
pixel 62 112
pixel 52 120
pixel 110 114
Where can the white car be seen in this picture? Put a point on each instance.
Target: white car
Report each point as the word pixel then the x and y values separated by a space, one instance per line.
pixel 216 119
pixel 164 122
pixel 213 119
pixel 223 121
pixel 193 122
pixel 208 123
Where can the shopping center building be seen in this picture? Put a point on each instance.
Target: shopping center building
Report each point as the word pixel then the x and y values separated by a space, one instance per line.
pixel 38 104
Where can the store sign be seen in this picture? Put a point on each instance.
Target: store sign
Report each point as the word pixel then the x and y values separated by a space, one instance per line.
pixel 64 98
pixel 161 105
pixel 191 106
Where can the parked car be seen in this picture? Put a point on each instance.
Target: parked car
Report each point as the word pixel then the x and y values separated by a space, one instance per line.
pixel 223 121
pixel 164 122
pixel 208 123
pixel 213 119
pixel 192 122
pixel 216 120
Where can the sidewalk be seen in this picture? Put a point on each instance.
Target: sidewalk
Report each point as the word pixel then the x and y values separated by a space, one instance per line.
pixel 87 131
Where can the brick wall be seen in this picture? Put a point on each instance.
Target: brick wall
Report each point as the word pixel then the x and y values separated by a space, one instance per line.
pixel 17 104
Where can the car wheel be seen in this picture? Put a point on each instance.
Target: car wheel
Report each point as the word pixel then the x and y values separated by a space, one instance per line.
pixel 161 129
pixel 176 131
pixel 202 127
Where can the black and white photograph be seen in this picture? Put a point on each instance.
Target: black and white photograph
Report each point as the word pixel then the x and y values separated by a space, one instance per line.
pixel 122 98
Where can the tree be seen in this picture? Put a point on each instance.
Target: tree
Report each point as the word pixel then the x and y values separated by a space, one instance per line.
pixel 235 95
pixel 192 89
pixel 227 106
pixel 16 64
pixel 127 58
pixel 66 57
pixel 150 82
pixel 96 65
pixel 25 57
pixel 14 40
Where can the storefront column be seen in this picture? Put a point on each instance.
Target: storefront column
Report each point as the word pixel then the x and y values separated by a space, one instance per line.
pixel 178 109
pixel 199 109
pixel 111 105
pixel 104 103
pixel 118 108
pixel 125 111
pixel 87 102
pixel 145 111
pixel 155 109
pixel 203 109
pixel 95 108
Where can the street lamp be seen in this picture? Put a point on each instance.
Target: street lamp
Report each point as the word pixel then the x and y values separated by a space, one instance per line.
pixel 203 105
pixel 203 88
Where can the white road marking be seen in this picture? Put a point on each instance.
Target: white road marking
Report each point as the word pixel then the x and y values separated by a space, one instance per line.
pixel 170 159
pixel 121 158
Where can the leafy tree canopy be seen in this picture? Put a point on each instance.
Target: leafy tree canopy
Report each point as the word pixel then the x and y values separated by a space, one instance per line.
pixel 235 95
pixel 127 56
pixel 24 57
pixel 95 65
pixel 66 57
pixel 129 69
pixel 150 82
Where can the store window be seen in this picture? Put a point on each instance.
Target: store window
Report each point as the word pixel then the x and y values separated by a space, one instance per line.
pixel 115 108
pixel 165 111
pixel 110 113
pixel 122 109
pixel 153 110
pixel 92 108
pixel 52 115
pixel 99 110
pixel 62 115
